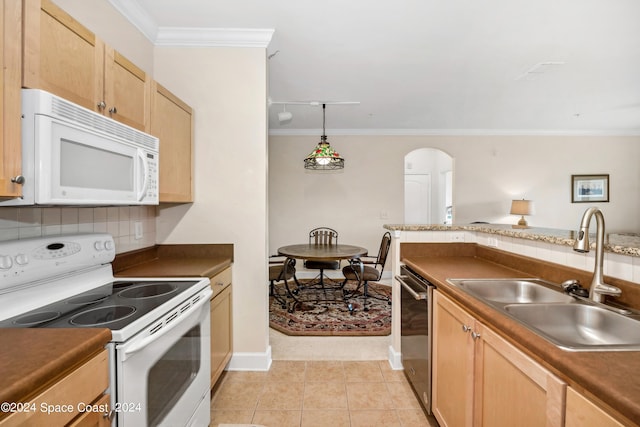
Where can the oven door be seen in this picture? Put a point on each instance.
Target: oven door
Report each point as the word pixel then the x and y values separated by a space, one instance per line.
pixel 163 377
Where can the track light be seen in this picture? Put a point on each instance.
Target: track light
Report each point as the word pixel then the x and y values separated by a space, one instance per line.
pixel 285 116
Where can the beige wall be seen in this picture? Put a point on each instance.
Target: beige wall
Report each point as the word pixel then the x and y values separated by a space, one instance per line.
pixel 489 171
pixel 227 89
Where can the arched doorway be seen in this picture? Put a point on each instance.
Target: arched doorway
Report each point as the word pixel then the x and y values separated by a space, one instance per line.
pixel 428 187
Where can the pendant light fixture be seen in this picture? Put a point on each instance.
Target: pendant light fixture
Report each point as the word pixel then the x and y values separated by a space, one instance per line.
pixel 323 157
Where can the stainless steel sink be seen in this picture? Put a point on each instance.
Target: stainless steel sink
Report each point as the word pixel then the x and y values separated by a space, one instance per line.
pixel 579 326
pixel 570 323
pixel 510 291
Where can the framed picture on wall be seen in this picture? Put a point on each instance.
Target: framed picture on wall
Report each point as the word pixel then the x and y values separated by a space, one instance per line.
pixel 589 188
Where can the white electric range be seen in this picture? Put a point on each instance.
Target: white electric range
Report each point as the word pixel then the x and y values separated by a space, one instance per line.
pixel 159 355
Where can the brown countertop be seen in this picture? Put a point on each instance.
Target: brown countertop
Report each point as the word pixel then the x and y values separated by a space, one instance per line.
pixel 31 358
pixel 197 260
pixel 611 378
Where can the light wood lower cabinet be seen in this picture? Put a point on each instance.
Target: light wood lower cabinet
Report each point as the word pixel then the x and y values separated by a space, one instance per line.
pixel 581 412
pixel 479 379
pixel 61 403
pixel 221 323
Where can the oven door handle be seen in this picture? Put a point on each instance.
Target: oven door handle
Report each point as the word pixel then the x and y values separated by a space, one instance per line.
pixel 414 294
pixel 206 296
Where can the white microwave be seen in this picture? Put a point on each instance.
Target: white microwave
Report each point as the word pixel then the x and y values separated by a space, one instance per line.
pixel 75 156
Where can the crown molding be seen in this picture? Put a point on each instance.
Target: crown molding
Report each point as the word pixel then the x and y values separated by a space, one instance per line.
pixel 138 16
pixel 214 37
pixel 453 132
pixel 195 37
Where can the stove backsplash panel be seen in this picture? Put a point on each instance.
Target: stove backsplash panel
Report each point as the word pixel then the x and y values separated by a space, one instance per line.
pixel 132 227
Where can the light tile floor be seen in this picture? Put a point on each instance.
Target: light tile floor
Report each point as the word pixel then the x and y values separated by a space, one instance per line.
pixel 318 393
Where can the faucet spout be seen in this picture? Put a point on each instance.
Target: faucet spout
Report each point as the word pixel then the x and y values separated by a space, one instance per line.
pixel 598 288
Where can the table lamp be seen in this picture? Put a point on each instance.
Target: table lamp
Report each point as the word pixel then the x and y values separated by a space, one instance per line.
pixel 522 207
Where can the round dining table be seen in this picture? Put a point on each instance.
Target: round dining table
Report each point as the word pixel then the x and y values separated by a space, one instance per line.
pixel 313 252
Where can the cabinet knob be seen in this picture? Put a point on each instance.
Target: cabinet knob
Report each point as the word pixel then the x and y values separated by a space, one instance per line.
pixel 102 105
pixel 19 179
pixel 113 110
pixel 466 328
pixel 475 335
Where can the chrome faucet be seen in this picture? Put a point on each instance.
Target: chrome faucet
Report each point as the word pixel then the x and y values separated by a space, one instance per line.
pixel 598 288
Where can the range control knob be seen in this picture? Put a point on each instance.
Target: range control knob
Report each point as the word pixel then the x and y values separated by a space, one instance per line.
pixel 108 245
pixel 98 246
pixel 5 262
pixel 22 259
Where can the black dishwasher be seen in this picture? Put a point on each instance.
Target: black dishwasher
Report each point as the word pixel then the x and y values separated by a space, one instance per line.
pixel 416 332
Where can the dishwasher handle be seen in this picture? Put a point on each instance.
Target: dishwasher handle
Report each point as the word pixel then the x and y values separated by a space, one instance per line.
pixel 414 294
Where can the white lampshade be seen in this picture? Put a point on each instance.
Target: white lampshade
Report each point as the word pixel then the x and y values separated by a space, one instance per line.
pixel 522 207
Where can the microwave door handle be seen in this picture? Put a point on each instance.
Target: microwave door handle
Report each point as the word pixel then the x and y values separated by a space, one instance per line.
pixel 145 175
pixel 151 338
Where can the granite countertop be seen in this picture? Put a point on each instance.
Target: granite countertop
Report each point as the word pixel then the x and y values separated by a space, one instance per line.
pixel 608 377
pixel 619 243
pixel 31 358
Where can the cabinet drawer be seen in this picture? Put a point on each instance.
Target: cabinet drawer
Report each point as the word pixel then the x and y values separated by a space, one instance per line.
pixel 58 404
pixel 220 281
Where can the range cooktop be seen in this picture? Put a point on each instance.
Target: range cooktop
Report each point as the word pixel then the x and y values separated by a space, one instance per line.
pixel 114 305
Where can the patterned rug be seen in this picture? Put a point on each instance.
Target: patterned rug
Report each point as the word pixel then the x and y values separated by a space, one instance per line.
pixel 324 312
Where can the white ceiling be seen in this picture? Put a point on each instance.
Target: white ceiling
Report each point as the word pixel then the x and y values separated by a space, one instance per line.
pixel 435 66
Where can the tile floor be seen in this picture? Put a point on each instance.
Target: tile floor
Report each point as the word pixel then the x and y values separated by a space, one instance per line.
pixel 318 393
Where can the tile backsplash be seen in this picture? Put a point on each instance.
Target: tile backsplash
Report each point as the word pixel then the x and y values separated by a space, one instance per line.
pixel 119 221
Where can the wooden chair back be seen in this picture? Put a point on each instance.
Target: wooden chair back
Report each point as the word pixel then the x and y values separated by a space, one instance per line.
pixel 323 236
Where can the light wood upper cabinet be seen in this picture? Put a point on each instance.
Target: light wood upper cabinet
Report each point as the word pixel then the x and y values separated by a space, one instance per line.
pixel 127 91
pixel 10 69
pixel 63 57
pixel 479 379
pixel 172 123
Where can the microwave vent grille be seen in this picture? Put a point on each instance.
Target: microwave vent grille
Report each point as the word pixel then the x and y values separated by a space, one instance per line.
pixel 69 111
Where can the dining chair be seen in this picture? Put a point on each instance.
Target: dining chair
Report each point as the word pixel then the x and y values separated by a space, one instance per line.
pixel 322 236
pixel 373 267
pixel 281 269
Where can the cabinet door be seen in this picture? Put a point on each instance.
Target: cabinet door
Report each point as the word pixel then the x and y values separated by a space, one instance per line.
pixel 453 364
pixel 10 68
pixel 581 412
pixel 511 388
pixel 60 55
pixel 171 122
pixel 127 91
pixel 97 417
pixel 221 339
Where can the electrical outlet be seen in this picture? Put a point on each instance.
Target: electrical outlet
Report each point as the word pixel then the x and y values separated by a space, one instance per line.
pixel 493 242
pixel 457 237
pixel 137 226
pixel 384 214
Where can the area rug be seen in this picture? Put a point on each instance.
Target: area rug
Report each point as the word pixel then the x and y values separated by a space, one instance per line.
pixel 324 312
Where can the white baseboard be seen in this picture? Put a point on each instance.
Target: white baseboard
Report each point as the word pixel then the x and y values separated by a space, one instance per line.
pixel 395 359
pixel 241 361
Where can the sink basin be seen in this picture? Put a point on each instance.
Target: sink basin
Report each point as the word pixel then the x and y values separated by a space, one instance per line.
pixel 579 326
pixel 512 291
